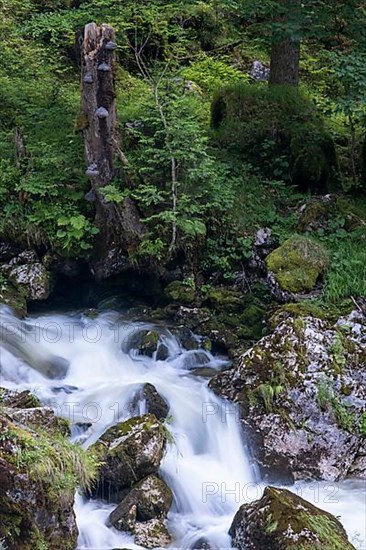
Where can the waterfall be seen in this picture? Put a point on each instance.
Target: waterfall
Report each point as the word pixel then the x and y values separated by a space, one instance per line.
pixel 207 465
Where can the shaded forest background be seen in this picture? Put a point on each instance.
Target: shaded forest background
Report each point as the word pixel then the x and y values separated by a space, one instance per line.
pixel 214 151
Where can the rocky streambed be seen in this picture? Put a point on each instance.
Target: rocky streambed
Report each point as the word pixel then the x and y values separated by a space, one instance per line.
pixel 171 444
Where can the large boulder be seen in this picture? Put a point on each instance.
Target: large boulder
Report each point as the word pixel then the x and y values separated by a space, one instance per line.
pixel 179 291
pixel 130 451
pixel 298 263
pixel 148 398
pixel 33 279
pixel 150 498
pixel 302 392
pixel 39 473
pixel 281 520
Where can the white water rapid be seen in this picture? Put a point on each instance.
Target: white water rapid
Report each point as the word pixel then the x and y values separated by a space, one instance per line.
pixel 207 465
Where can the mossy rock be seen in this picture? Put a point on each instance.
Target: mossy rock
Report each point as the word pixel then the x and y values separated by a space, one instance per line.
pixel 18 400
pixel 180 292
pixel 130 451
pixel 315 214
pixel 281 520
pixel 298 263
pixel 267 124
pixel 14 298
pixel 39 473
pixel 225 299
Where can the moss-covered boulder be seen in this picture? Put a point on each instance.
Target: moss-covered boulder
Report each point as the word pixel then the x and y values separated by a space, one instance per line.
pixel 39 473
pixel 302 393
pixel 130 451
pixel 180 291
pixel 298 263
pixel 315 213
pixel 267 125
pixel 281 520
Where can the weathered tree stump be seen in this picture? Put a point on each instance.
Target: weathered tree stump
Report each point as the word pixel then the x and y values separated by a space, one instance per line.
pixel 120 229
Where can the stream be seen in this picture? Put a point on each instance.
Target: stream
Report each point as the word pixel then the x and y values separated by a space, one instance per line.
pixel 207 464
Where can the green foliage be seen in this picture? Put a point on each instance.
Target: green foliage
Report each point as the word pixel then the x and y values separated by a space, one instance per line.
pixel 54 461
pixel 277 129
pixel 231 181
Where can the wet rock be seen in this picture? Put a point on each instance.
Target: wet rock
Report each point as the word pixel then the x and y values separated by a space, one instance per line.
pixel 131 450
pixel 186 337
pixel 144 341
pixel 13 337
pixel 194 359
pixel 152 534
pixel 298 263
pixel 18 400
pixel 33 278
pixel 162 353
pixel 204 372
pixel 302 391
pixel 281 520
pixel 202 544
pixel 150 401
pixel 150 498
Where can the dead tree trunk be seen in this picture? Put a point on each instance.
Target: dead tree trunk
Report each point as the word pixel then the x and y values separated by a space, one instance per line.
pixel 120 229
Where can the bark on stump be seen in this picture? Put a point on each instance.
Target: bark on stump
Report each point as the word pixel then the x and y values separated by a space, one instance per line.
pixel 120 228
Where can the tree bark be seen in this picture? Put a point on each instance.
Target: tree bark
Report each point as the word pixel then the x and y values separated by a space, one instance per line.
pixel 120 228
pixel 285 63
pixel 285 52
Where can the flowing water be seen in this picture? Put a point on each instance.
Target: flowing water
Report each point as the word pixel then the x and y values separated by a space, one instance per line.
pixel 207 464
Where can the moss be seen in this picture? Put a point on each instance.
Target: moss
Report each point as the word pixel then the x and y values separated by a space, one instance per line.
pixel 225 299
pixel 14 298
pixel 315 212
pixel 277 129
pixel 180 292
pixel 43 472
pixel 298 263
pixel 286 509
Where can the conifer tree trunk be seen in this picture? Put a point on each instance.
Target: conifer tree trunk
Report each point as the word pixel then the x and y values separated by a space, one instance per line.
pixel 120 229
pixel 285 53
